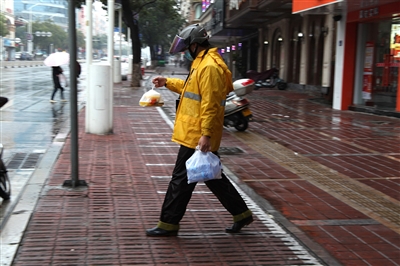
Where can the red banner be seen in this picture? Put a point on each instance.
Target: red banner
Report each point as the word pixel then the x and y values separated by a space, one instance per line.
pixel 304 5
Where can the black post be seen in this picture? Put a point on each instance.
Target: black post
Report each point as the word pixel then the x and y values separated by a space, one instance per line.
pixel 74 181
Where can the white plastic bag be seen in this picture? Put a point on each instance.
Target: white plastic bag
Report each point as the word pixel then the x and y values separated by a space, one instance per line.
pixel 203 166
pixel 151 98
pixel 63 80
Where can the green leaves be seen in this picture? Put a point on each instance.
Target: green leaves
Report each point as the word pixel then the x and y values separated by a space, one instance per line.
pixel 59 38
pixel 3 26
pixel 159 23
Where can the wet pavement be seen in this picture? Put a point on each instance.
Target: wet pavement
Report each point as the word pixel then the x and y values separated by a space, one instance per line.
pixel 29 122
pixel 323 185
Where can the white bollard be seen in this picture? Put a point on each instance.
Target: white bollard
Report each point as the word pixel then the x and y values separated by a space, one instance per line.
pixel 130 65
pixel 100 100
pixel 117 71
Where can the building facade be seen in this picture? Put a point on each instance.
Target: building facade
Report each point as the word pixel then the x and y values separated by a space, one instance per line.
pixel 29 11
pixel 44 10
pixel 371 68
pixel 344 50
pixel 8 42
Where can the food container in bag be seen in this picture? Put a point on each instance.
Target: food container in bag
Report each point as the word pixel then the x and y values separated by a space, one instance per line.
pixel 151 98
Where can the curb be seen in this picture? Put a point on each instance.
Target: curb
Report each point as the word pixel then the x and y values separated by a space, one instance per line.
pixel 21 66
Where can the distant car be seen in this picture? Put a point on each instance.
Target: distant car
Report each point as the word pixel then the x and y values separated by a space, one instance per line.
pixel 17 55
pixel 26 56
pixel 40 55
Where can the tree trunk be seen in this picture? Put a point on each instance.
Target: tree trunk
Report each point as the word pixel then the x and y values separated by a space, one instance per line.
pixel 136 45
pixel 136 75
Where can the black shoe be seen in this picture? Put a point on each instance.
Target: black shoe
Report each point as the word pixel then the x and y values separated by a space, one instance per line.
pixel 236 227
pixel 160 232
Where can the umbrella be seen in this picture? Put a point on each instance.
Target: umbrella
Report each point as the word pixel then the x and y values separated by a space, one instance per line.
pixel 57 59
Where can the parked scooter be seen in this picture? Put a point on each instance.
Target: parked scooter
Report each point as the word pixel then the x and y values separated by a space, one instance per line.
pixel 5 186
pixel 267 79
pixel 237 112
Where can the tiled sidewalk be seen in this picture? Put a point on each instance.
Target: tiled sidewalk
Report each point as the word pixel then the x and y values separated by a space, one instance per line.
pixel 128 173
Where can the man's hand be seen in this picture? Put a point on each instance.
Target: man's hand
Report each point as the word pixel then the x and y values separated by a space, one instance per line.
pixel 159 81
pixel 204 144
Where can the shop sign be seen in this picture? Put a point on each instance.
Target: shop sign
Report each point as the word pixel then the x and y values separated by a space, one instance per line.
pixel 368 64
pixel 368 3
pixel 372 10
pixel 369 13
pixel 304 5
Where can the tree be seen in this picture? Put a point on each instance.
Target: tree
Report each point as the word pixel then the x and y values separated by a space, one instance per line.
pixel 130 20
pixel 58 36
pixel 156 20
pixel 3 26
pixel 158 25
pixel 163 24
pixel 80 39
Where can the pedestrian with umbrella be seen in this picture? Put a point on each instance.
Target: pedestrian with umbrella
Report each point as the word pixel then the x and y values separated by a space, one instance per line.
pixel 55 60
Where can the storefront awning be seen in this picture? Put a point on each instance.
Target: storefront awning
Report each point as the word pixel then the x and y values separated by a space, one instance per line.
pixel 307 5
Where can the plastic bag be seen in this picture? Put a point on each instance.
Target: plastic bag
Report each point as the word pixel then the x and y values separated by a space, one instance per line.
pixel 63 80
pixel 203 166
pixel 151 98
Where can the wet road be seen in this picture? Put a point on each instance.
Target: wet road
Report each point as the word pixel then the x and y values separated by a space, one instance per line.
pixel 29 122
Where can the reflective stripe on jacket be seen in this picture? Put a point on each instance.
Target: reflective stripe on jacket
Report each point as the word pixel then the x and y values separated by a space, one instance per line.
pixel 202 103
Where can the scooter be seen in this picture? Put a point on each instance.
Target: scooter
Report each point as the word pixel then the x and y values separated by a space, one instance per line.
pixel 5 185
pixel 237 112
pixel 267 79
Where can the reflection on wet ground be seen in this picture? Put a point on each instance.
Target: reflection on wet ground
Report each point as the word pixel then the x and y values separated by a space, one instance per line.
pixel 29 121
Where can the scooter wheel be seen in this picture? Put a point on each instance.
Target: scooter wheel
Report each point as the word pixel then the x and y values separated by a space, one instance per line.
pixel 242 124
pixel 282 85
pixel 5 186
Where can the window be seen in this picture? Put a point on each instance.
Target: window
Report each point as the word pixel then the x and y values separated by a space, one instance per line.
pixel 198 11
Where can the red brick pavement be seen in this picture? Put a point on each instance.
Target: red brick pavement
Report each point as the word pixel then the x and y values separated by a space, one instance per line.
pixel 127 174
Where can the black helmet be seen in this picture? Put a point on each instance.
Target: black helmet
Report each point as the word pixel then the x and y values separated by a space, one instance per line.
pixel 191 34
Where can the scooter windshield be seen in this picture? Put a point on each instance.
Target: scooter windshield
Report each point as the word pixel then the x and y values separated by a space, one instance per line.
pixel 178 45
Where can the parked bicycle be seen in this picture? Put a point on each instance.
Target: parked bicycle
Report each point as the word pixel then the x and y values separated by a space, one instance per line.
pixel 5 185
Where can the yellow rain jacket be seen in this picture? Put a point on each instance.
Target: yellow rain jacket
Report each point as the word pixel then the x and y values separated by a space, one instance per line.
pixel 202 104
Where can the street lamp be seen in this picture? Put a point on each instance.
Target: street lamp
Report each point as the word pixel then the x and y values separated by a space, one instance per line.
pixel 30 43
pixel 44 34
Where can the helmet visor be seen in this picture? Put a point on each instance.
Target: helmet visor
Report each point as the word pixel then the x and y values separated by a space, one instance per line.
pixel 178 45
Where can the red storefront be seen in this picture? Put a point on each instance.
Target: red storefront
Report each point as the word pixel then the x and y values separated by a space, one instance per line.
pixel 371 72
pixel 367 50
